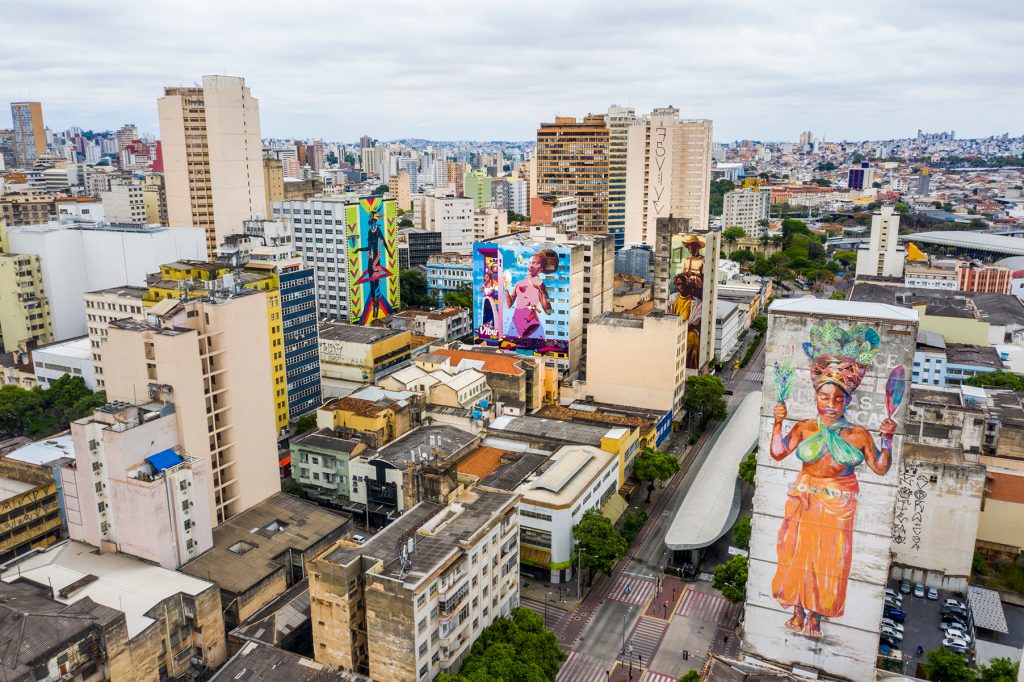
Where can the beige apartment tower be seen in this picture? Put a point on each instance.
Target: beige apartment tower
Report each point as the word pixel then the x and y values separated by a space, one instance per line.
pixel 213 156
pixel 668 173
pixel 210 357
pixel 573 161
pixel 29 132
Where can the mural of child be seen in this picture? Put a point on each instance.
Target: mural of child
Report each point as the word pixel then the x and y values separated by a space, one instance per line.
pixel 529 296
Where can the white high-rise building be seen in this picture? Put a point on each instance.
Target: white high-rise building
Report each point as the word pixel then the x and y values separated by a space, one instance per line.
pixel 453 218
pixel 883 255
pixel 668 173
pixel 213 156
pixel 747 208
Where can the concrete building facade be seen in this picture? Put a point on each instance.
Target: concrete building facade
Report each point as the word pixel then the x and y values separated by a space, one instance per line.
pixel 883 255
pixel 29 132
pixel 573 161
pixel 747 208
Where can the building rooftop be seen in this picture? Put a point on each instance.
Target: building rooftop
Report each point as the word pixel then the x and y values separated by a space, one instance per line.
pixel 10 487
pixel 134 293
pixel 354 333
pixel 601 413
pixel 491 362
pixel 47 451
pixel 256 662
pixel 482 462
pixel 251 546
pixel 79 347
pixel 856 308
pixel 514 472
pixel 997 309
pixel 973 240
pixel 427 442
pixel 278 620
pixel 437 532
pixel 114 580
pixel 619 320
pixel 362 406
pixel 966 355
pixel 440 314
pixel 325 439
pixel 507 426
pixel 572 471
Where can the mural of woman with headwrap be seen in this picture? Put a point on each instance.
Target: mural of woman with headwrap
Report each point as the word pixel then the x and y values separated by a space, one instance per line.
pixel 815 539
pixel 686 300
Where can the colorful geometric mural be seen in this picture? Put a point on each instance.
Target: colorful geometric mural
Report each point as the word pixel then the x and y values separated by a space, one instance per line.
pixel 372 259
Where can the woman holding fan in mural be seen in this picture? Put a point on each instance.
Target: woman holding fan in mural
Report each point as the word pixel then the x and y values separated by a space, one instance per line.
pixel 815 539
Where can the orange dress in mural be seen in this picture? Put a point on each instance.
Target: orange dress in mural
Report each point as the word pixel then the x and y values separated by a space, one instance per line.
pixel 815 540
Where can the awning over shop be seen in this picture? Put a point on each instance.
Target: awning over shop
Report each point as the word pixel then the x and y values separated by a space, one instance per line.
pixel 615 507
pixel 987 608
pixel 713 501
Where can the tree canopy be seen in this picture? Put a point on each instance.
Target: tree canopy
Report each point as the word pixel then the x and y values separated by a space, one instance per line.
pixel 512 649
pixel 381 189
pixel 748 468
pixel 742 256
pixel 731 579
pixel 691 676
pixel 718 190
pixel 704 396
pixel 734 233
pixel 413 286
pixel 999 670
pixel 946 666
pixel 600 546
pixel 460 298
pixel 42 411
pixel 998 379
pixel 514 217
pixel 741 533
pixel 305 424
pixel 654 465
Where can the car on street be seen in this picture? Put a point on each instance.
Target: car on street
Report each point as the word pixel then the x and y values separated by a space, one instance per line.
pixel 905 586
pixel 895 614
pixel 898 627
pixel 933 594
pixel 919 590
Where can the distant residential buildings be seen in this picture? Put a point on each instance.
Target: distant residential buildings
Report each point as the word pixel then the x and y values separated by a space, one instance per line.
pixel 747 208
pixel 549 209
pixel 447 272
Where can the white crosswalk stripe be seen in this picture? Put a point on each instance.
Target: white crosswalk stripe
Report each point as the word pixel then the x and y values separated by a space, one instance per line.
pixel 632 590
pixel 659 677
pixel 645 638
pixel 711 608
pixel 754 376
pixel 581 668
pixel 555 615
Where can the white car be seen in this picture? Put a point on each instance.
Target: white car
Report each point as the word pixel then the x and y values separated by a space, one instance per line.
pixel 957 633
pixel 890 623
pixel 891 632
pixel 953 602
pixel 894 600
pixel 955 641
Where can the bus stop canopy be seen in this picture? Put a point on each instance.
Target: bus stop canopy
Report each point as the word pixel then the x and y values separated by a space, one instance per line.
pixel 987 608
pixel 712 503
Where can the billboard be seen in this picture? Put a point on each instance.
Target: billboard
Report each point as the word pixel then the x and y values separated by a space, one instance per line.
pixel 521 298
pixel 692 292
pixel 827 471
pixel 372 259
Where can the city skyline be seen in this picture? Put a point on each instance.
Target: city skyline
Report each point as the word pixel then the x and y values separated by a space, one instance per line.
pixel 495 74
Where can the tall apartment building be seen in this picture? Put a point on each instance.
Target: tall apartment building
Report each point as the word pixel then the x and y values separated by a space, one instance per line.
pixel 24 306
pixel 125 135
pixel 273 182
pixel 552 210
pixel 511 195
pixel 573 161
pixel 453 218
pixel 489 222
pixel 425 587
pixel 477 186
pixel 29 132
pixel 668 173
pixel 883 255
pixel 620 119
pixel 131 486
pixel 103 307
pixel 213 156
pixel 154 196
pixel 746 208
pixel 125 203
pixel 977 276
pixel 861 176
pixel 212 358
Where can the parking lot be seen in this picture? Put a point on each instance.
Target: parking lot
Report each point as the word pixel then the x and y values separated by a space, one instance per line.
pixel 922 624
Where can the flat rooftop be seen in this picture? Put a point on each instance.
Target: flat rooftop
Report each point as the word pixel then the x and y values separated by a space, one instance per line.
pixel 552 429
pixel 572 471
pixel 251 546
pixel 132 292
pixel 115 580
pixel 426 441
pixel 513 473
pixel 325 439
pixel 354 333
pixel 437 532
pixel 79 348
pixel 856 308
pixel 45 451
pixel 256 662
pixel 10 487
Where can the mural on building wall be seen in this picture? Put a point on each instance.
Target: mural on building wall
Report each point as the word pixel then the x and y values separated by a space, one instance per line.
pixel 372 259
pixel 815 545
pixel 521 298
pixel 687 297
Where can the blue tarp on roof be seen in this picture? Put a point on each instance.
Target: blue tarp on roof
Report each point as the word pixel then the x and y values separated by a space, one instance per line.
pixel 165 459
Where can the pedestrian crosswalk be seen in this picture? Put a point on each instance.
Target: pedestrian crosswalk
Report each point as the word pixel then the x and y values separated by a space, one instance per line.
pixel 659 677
pixel 581 668
pixel 632 590
pixel 711 608
pixel 645 639
pixel 554 616
pixel 754 376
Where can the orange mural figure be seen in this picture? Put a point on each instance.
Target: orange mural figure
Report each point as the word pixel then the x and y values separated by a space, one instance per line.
pixel 815 542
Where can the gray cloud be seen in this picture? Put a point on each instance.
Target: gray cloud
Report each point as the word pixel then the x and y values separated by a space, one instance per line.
pixel 450 69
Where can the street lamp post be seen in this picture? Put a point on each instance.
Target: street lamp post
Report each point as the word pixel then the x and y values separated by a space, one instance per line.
pixel 547 598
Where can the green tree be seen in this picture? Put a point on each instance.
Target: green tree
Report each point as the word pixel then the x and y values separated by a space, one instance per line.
pixel 718 191
pixel 847 258
pixel 760 324
pixel 43 411
pixel 654 465
pixel 331 158
pixel 742 256
pixel 600 547
pixel 405 222
pixel 825 167
pixel 350 159
pixel 691 676
pixel 514 217
pixel 305 424
pixel 731 579
pixel 837 296
pixel 413 287
pixel 514 649
pixel 999 670
pixel 632 523
pixel 748 468
pixel 460 298
pixel 381 189
pixel 704 396
pixel 822 182
pixel 998 379
pixel 901 208
pixel 741 533
pixel 945 666
pixel 731 235
pixel 977 224
pixel 762 267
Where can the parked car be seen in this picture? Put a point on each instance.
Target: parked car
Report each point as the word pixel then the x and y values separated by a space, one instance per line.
pixel 890 642
pixel 933 594
pixel 892 632
pixel 894 601
pixel 954 641
pixel 893 624
pixel 918 590
pixel 947 623
pixel 895 614
pixel 957 633
pixel 957 649
pixel 949 601
pixel 905 586
pixel 358 539
pixel 889 592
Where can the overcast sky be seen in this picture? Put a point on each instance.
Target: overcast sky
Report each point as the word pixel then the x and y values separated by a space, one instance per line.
pixel 480 69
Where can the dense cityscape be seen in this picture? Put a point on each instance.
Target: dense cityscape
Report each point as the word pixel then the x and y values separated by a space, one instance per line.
pixel 620 401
